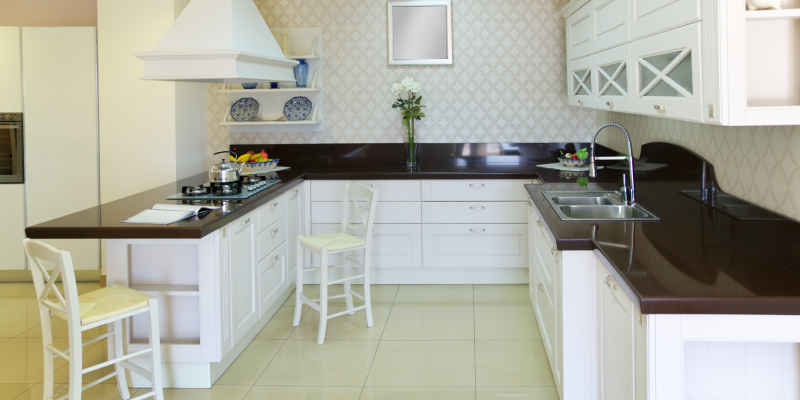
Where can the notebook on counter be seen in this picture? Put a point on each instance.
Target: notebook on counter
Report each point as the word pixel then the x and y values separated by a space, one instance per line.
pixel 165 214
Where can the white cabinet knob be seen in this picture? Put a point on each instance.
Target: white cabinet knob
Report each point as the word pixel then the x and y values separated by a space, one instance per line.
pixel 610 283
pixel 276 258
pixel 539 223
pixel 274 232
pixel 553 250
pixel 610 103
pixel 296 191
pixel 245 222
pixel 660 108
pixel 274 205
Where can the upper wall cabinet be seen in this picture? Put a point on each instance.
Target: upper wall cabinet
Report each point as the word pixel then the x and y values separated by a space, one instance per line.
pixel 649 17
pixel 710 61
pixel 10 70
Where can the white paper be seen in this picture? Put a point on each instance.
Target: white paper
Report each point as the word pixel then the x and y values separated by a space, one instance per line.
pixel 165 214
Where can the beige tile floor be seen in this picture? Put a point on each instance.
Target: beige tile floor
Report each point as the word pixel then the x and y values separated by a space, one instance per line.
pixel 443 342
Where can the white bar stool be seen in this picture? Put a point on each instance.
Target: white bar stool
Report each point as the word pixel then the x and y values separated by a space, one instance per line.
pixel 333 243
pixel 109 305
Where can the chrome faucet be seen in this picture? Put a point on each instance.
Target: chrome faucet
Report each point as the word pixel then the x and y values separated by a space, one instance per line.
pixel 628 194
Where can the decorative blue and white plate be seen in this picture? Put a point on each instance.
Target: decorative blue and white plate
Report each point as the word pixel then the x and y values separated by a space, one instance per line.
pixel 244 109
pixel 297 108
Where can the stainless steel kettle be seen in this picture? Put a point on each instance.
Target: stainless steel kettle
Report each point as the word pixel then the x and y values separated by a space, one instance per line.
pixel 225 172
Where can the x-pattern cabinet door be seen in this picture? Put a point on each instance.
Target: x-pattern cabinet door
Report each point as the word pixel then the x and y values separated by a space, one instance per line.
pixel 581 82
pixel 613 72
pixel 667 76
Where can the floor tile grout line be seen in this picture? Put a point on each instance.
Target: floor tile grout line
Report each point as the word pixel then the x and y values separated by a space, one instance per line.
pixel 380 340
pixel 266 367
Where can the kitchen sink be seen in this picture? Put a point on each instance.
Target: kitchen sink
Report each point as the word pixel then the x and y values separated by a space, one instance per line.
pixel 595 206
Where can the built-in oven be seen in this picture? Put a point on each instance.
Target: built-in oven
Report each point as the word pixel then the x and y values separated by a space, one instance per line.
pixel 11 156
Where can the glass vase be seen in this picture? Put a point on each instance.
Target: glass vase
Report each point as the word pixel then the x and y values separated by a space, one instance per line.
pixel 301 73
pixel 412 147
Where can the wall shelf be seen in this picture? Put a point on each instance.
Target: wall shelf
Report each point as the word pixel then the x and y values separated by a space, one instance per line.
pixel 791 13
pixel 302 43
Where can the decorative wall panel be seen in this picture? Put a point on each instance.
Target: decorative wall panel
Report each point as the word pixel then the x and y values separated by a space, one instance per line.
pixel 507 83
pixel 760 164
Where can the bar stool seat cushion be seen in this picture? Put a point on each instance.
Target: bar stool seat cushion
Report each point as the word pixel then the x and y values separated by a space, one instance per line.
pixel 109 302
pixel 334 241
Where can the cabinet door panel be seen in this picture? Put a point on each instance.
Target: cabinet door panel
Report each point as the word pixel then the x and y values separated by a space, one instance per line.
pixel 243 276
pixel 393 245
pixel 616 324
pixel 272 274
pixel 294 222
pixel 546 311
pixel 581 82
pixel 496 212
pixel 613 23
pixel 654 16
pixel 271 212
pixel 270 238
pixel 10 70
pixel 614 79
pixel 580 33
pixel 386 212
pixel 389 190
pixel 475 190
pixel 475 245
pixel 667 76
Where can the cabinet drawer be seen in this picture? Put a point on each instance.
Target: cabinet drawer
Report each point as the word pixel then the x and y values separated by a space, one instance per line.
pixel 393 245
pixel 475 190
pixel 474 212
pixel 389 190
pixel 271 212
pixel 387 212
pixel 546 311
pixel 475 245
pixel 271 237
pixel 272 278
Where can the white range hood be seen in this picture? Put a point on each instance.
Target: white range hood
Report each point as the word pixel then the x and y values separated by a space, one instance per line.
pixel 223 41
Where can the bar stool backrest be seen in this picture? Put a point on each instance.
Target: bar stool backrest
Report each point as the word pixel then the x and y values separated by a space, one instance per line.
pixel 359 201
pixel 40 256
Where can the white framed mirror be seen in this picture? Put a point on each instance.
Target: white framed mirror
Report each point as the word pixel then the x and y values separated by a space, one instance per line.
pixel 420 32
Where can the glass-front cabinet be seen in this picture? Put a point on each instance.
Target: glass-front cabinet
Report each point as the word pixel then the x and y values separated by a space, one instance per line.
pixel 613 74
pixel 581 82
pixel 667 76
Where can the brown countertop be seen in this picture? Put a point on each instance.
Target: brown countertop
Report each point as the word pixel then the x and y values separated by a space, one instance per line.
pixel 701 257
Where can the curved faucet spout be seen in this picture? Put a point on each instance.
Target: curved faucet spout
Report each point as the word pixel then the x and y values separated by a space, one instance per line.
pixel 628 194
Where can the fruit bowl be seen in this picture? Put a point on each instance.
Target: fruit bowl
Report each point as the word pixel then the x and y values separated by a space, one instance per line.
pixel 568 162
pixel 258 167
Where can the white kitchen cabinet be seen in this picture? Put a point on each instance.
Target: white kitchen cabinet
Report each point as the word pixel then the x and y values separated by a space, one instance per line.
pixel 388 190
pixel 649 17
pixel 615 318
pixel 580 81
pixel 475 245
pixel 386 212
pixel 393 245
pixel 10 70
pixel 546 317
pixel 532 273
pixel 272 278
pixel 12 221
pixel 295 221
pixel 612 23
pixel 667 75
pixel 613 79
pixel 580 33
pixel 244 277
pixel 60 130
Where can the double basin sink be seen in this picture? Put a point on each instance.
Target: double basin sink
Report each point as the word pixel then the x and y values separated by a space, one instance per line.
pixel 595 206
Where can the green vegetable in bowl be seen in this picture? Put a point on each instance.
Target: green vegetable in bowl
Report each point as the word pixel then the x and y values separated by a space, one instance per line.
pixel 582 154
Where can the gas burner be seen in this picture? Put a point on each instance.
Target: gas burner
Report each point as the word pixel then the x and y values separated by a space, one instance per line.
pixel 253 182
pixel 226 189
pixel 198 190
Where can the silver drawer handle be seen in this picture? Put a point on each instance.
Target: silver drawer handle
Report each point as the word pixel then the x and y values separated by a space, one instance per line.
pixel 610 283
pixel 553 250
pixel 476 207
pixel 610 103
pixel 274 205
pixel 274 232
pixel 296 191
pixel 541 287
pixel 276 258
pixel 660 108
pixel 477 230
pixel 476 185
pixel 245 222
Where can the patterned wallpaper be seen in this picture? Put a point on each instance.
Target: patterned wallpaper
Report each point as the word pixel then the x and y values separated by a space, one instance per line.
pixel 760 164
pixel 507 83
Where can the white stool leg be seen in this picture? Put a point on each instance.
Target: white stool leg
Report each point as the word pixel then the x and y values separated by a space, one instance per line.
pixel 47 339
pixel 348 295
pixel 75 363
pixel 122 380
pixel 155 342
pixel 367 296
pixel 298 290
pixel 323 294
